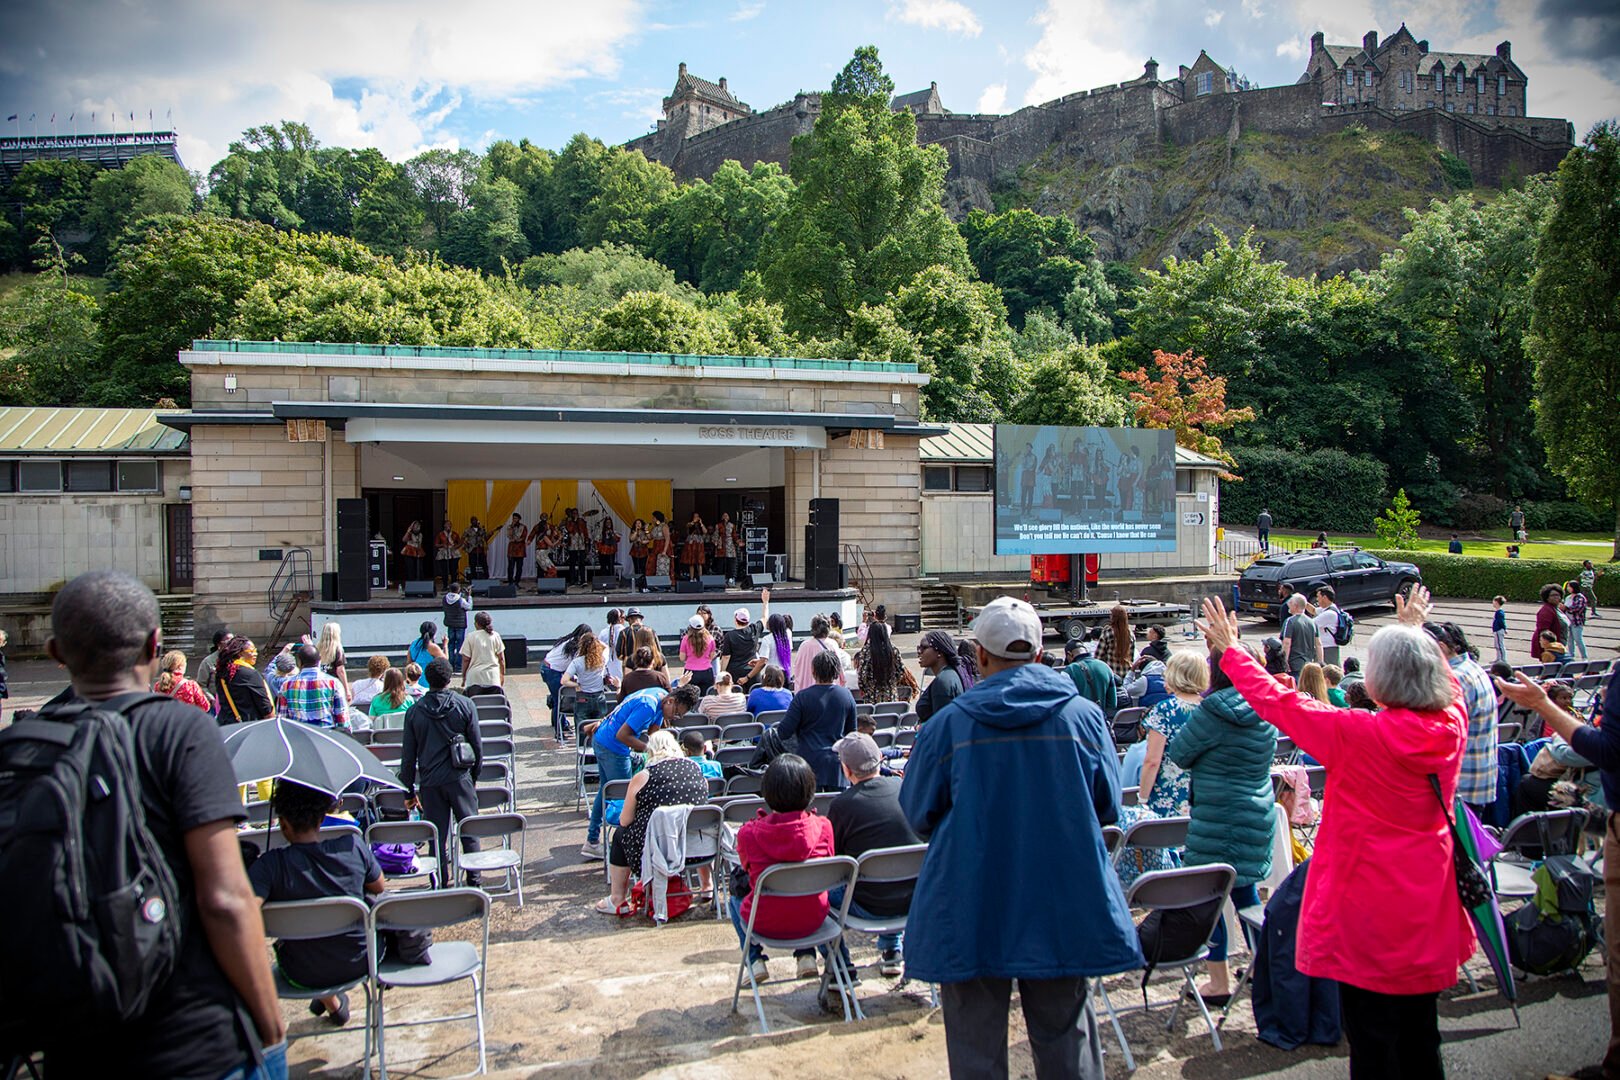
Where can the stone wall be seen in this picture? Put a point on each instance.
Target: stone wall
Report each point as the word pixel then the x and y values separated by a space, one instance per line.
pixel 879 495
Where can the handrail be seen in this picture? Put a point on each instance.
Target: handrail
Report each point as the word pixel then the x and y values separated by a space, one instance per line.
pixel 860 573
pixel 294 581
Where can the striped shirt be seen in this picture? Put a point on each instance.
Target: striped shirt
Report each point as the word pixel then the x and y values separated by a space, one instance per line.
pixel 312 697
pixel 1477 783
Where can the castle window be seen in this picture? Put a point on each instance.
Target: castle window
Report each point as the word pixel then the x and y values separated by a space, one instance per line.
pixel 1405 49
pixel 1204 84
pixel 1490 110
pixel 1513 110
pixel 1369 78
pixel 1479 87
pixel 1459 81
pixel 1406 81
pixel 1501 85
pixel 1451 106
pixel 1470 108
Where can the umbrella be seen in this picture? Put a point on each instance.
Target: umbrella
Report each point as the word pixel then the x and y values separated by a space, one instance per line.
pixel 316 757
pixel 1489 930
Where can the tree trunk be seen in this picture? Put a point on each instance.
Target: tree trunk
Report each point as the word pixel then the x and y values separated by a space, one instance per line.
pixel 1615 557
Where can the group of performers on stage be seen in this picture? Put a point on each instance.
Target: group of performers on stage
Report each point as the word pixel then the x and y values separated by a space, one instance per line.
pixel 570 548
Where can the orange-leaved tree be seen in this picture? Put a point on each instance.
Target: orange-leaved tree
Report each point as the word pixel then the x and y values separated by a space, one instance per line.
pixel 1188 400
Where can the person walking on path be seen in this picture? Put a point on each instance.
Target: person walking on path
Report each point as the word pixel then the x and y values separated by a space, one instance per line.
pixel 1380 913
pixel 1262 526
pixel 1576 610
pixel 1022 719
pixel 1516 523
pixel 1601 746
pixel 1588 579
pixel 456 605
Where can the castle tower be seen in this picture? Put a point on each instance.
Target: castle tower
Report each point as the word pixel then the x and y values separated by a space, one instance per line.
pixel 697 105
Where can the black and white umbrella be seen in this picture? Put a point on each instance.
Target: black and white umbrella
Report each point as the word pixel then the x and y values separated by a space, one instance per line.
pixel 321 758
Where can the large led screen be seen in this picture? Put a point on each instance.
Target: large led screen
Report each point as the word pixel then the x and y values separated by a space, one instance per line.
pixel 1068 490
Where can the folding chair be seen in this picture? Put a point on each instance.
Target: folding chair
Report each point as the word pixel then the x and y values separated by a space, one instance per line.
pixel 1506 733
pixel 585 772
pixel 884 739
pixel 887 866
pixel 308 920
pixel 391 737
pixel 361 735
pixel 905 739
pixel 1317 775
pixel 745 785
pixel 1127 725
pixel 894 708
pixel 740 733
pixel 733 718
pixel 452 961
pixel 770 716
pixel 1530 838
pixel 910 720
pixel 612 791
pixel 1130 796
pixel 1152 834
pixel 1531 671
pixel 493 710
pixel 390 754
pixel 352 803
pixel 822 802
pixel 807 878
pixel 703 827
pixel 260 814
pixel 391 804
pixel 505 859
pixel 1175 890
pixel 743 810
pixel 494 772
pixel 501 750
pixel 717 787
pixel 1252 921
pixel 735 755
pixel 494 729
pixel 415 833
pixel 493 797
pixel 1287 752
pixel 1113 836
pixel 864 708
pixel 273 837
pixel 710 732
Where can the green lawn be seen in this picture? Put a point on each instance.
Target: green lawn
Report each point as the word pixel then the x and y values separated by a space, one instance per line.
pixel 1541 545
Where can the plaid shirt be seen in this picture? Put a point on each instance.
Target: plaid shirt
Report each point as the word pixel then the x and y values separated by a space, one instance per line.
pixel 312 697
pixel 1477 783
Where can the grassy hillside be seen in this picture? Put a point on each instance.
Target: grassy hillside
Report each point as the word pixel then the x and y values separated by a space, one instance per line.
pixel 1327 204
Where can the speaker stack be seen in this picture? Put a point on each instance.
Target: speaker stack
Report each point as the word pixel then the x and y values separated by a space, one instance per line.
pixel 353 552
pixel 821 550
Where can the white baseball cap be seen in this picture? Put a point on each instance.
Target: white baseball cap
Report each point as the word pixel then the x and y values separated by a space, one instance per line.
pixel 695 622
pixel 741 617
pixel 1008 628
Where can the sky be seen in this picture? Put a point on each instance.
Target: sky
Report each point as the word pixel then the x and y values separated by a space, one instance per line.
pixel 407 75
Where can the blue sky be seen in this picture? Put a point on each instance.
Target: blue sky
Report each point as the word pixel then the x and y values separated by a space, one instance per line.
pixel 404 75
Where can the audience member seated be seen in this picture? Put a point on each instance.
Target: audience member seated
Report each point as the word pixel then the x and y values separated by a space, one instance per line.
pixel 693 746
pixel 819 716
pixel 1156 649
pixel 1552 650
pixel 1334 674
pixel 724 701
pixel 369 687
pixel 787 834
pixel 309 868
pixel 1547 786
pixel 865 817
pixel 866 724
pixel 392 700
pixel 413 681
pixel 771 695
pixel 670 779
pixel 1146 687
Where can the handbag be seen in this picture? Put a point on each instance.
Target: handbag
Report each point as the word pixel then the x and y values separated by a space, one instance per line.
pixel 1473 888
pixel 462 757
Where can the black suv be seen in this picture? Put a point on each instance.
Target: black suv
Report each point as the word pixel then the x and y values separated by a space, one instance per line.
pixel 1358 579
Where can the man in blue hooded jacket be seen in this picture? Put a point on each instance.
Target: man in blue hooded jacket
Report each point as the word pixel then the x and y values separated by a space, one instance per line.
pixel 1011 783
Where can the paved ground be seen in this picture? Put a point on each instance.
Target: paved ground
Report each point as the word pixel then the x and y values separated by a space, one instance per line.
pixel 573 993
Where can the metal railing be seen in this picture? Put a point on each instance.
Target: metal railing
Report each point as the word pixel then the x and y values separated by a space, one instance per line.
pixel 860 573
pixel 293 586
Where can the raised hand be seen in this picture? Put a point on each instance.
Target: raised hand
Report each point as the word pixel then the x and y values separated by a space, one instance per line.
pixel 1413 609
pixel 1220 628
pixel 1522 690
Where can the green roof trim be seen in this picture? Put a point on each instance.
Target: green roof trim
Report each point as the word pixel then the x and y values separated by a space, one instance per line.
pixel 451 352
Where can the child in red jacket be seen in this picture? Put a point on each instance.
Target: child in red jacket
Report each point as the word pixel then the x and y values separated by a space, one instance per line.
pixel 789 833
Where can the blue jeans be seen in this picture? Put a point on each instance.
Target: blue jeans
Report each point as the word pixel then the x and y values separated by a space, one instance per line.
pixel 885 942
pixel 455 635
pixel 554 687
pixel 1242 896
pixel 609 767
pixel 1577 640
pixel 274 1066
pixel 740 924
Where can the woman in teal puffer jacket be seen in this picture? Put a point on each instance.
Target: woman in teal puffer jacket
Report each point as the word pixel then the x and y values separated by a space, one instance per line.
pixel 1228 750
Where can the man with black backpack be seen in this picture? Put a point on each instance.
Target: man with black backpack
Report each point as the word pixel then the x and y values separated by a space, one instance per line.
pixel 147 956
pixel 442 754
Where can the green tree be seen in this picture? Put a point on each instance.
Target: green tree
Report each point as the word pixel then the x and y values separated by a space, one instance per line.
pixel 1071 387
pixel 338 178
pixel 49 337
pixel 263 176
pixel 146 186
pixel 604 275
pixel 530 168
pixel 443 181
pixel 657 323
pixel 630 190
pixel 576 179
pixel 388 215
pixel 52 199
pixel 1397 525
pixel 1575 322
pixel 710 232
pixel 1462 278
pixel 960 329
pixel 1042 262
pixel 488 235
pixel 865 217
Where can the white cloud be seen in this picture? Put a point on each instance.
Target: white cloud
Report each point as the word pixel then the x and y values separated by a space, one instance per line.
pixel 1294 48
pixel 948 15
pixel 993 99
pixel 1083 45
pixel 1252 9
pixel 747 9
pixel 383 73
pixel 1212 17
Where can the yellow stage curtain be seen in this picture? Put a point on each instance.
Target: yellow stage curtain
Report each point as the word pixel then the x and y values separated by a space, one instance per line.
pixel 557 496
pixel 653 495
pixel 465 500
pixel 616 493
pixel 502 501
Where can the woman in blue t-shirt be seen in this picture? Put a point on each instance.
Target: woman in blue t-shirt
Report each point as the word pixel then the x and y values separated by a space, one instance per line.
pixel 425 649
pixel 771 695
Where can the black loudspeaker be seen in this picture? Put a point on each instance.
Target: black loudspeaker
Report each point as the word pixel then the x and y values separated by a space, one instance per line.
pixel 350 587
pixel 824 578
pixel 419 588
pixel 824 512
pixel 483 586
pixel 689 586
pixel 551 585
pixel 329 586
pixel 809 552
pixel 659 583
pixel 605 582
pixel 908 623
pixel 502 592
pixel 353 551
pixel 757 580
pixel 517 651
pixel 714 581
pixel 352 526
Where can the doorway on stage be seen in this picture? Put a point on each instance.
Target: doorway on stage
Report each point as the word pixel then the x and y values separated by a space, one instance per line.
pixel 761 507
pixel 390 512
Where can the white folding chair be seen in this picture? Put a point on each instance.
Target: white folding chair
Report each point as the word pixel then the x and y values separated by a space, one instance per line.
pixel 308 920
pixel 390 737
pixel 745 785
pixel 807 878
pixel 727 719
pixel 735 755
pixel 493 797
pixel 704 823
pixel 886 866
pixel 451 961
pixel 506 859
pixel 1176 890
pixel 494 729
pixel 744 732
pixel 770 716
pixel 415 833
pixel 891 708
pixel 822 801
pixel 1528 838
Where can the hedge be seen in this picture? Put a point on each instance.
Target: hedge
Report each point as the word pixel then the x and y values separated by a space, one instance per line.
pixel 1480 511
pixel 1318 489
pixel 1475 577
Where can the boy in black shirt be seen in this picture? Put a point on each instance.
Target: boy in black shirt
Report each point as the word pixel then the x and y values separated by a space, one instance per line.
pixel 218 1011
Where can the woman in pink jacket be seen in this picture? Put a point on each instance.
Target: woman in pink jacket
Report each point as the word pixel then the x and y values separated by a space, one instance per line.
pixel 1380 914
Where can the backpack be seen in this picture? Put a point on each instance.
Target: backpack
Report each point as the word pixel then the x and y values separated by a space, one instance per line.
pixel 1346 629
pixel 1556 930
pixel 92 910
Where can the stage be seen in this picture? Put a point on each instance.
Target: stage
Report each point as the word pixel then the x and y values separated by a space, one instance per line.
pixel 388 623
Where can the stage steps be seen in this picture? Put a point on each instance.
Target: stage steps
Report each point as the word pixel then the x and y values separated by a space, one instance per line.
pixel 939 607
pixel 179 624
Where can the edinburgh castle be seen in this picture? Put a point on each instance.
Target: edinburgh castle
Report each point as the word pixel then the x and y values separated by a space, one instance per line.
pixel 1472 106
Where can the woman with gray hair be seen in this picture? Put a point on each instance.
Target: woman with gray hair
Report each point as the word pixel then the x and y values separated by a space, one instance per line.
pixel 1380 913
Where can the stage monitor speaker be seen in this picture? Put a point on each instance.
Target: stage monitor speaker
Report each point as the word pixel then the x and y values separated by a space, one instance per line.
pixel 551 585
pixel 659 583
pixel 605 583
pixel 755 581
pixel 688 586
pixel 482 586
pixel 714 581
pixel 419 588
pixel 502 592
pixel 517 651
pixel 910 623
pixel 824 579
